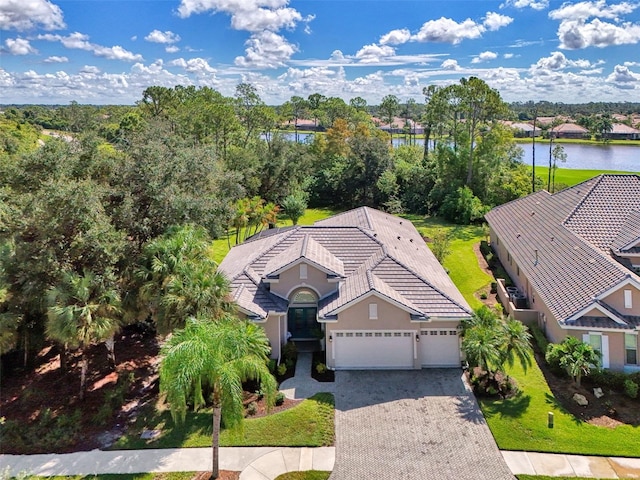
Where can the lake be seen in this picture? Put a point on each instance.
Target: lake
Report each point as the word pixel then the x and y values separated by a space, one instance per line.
pixel 624 158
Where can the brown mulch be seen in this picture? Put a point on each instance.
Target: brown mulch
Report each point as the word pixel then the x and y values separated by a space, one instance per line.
pixel 224 475
pixel 611 410
pixel 262 407
pixel 492 298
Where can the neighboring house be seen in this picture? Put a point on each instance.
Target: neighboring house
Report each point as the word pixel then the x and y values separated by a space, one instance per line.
pixel 620 131
pixel 363 281
pixel 570 130
pixel 399 126
pixel 576 256
pixel 524 130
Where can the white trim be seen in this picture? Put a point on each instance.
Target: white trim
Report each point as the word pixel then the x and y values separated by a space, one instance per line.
pixel 298 261
pixel 604 346
pixel 378 295
pixel 628 298
pixel 300 287
pixel 627 281
pixel 598 307
pixel 600 329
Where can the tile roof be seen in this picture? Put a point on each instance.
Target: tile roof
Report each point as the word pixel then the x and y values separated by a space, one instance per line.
pixel 374 251
pixel 572 232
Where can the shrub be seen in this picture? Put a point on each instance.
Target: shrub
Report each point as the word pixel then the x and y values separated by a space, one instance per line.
pixel 539 337
pixel 630 388
pixel 608 379
pixel 271 365
pixel 279 398
pixel 483 296
pixel 252 408
pixel 282 369
pixel 494 287
pixel 321 368
pixel 290 352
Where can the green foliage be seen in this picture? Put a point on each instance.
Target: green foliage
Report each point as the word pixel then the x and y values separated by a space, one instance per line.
pixel 462 206
pixel 279 399
pixel 294 206
pixel 282 369
pixel 491 343
pixel 576 357
pixel 304 475
pixel 541 340
pixel 57 431
pixel 321 368
pixel 630 388
pixel 290 353
pixel 441 245
pixel 252 408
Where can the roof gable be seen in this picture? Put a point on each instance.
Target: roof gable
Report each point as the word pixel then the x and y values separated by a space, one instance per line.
pixel 305 248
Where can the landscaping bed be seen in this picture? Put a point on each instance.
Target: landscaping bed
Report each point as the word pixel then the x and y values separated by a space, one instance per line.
pixel 319 370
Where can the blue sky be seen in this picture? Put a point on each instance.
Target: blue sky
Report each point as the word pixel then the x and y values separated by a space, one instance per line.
pixel 109 51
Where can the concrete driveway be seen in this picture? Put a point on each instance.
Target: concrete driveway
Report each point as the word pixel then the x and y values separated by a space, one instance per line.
pixel 420 424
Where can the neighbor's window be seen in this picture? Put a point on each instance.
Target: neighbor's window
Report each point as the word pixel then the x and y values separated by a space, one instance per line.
pixel 628 302
pixel 631 349
pixel 373 311
pixel 303 271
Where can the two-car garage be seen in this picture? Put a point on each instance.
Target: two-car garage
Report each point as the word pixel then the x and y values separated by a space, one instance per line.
pixel 394 349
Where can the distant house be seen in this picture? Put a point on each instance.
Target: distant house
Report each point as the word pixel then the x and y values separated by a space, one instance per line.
pixel 575 256
pixel 621 131
pixel 303 124
pixel 363 282
pixel 524 130
pixel 399 126
pixel 570 130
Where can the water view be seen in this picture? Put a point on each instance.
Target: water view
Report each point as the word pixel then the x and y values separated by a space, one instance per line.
pixel 624 158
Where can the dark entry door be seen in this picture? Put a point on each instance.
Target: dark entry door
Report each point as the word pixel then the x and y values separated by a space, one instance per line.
pixel 302 322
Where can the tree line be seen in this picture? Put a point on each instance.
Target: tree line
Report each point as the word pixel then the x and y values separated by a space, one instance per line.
pixel 113 225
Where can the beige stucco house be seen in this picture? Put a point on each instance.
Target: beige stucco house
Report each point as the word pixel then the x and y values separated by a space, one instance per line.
pixel 363 281
pixel 576 257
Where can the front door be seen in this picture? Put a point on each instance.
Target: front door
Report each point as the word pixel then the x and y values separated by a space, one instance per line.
pixel 302 322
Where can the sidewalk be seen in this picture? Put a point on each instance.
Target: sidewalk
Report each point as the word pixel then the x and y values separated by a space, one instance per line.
pixel 255 463
pixel 560 465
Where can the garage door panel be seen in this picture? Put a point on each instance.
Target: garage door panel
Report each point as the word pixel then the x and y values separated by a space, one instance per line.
pixel 373 349
pixel 439 347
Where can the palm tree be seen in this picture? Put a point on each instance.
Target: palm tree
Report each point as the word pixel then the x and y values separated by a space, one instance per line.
pixel 576 357
pixel 83 309
pixel 516 343
pixel 214 357
pixel 178 278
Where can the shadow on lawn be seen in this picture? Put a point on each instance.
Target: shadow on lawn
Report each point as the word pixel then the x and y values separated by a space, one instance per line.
pixel 555 403
pixel 514 407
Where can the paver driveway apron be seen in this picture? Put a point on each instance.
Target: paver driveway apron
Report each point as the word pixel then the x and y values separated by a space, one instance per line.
pixel 418 424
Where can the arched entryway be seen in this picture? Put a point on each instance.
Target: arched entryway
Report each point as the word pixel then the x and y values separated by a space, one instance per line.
pixel 302 318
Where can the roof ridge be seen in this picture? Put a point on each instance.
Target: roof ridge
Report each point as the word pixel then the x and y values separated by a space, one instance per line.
pixel 305 242
pixel 368 217
pixel 573 212
pixel 420 277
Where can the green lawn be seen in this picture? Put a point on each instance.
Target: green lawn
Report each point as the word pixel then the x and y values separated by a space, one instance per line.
pixel 545 477
pixel 125 476
pixel 305 475
pixel 520 423
pixel 221 245
pixel 570 176
pixel 461 263
pixel 309 424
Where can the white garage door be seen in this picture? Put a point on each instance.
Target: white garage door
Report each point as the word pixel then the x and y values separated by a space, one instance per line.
pixel 369 349
pixel 439 347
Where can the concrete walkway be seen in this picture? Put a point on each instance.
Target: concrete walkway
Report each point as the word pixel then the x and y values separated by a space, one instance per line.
pixel 302 385
pixel 266 463
pixel 255 463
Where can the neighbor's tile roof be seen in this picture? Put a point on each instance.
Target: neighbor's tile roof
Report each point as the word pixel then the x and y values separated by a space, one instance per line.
pixel 375 251
pixel 574 264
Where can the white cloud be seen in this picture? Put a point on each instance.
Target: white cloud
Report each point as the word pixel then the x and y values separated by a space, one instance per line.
pixel 574 34
pixel 29 14
pixel 156 36
pixel 19 46
pixel 374 53
pixel 534 4
pixel 557 61
pixel 631 64
pixel 266 50
pixel 198 66
pixel 172 49
pixel 80 41
pixel 484 57
pixel 90 69
pixel 507 56
pixel 251 15
pixel 622 75
pixel 585 10
pixel 450 64
pixel 494 21
pixel 56 59
pixel 446 30
pixel 395 37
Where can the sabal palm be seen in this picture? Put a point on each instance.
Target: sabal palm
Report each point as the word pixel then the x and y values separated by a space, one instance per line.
pixel 179 278
pixel 83 309
pixel 214 356
pixel 482 346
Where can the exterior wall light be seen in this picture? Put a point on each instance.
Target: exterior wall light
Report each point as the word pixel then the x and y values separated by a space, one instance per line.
pixel 417 337
pixel 331 338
